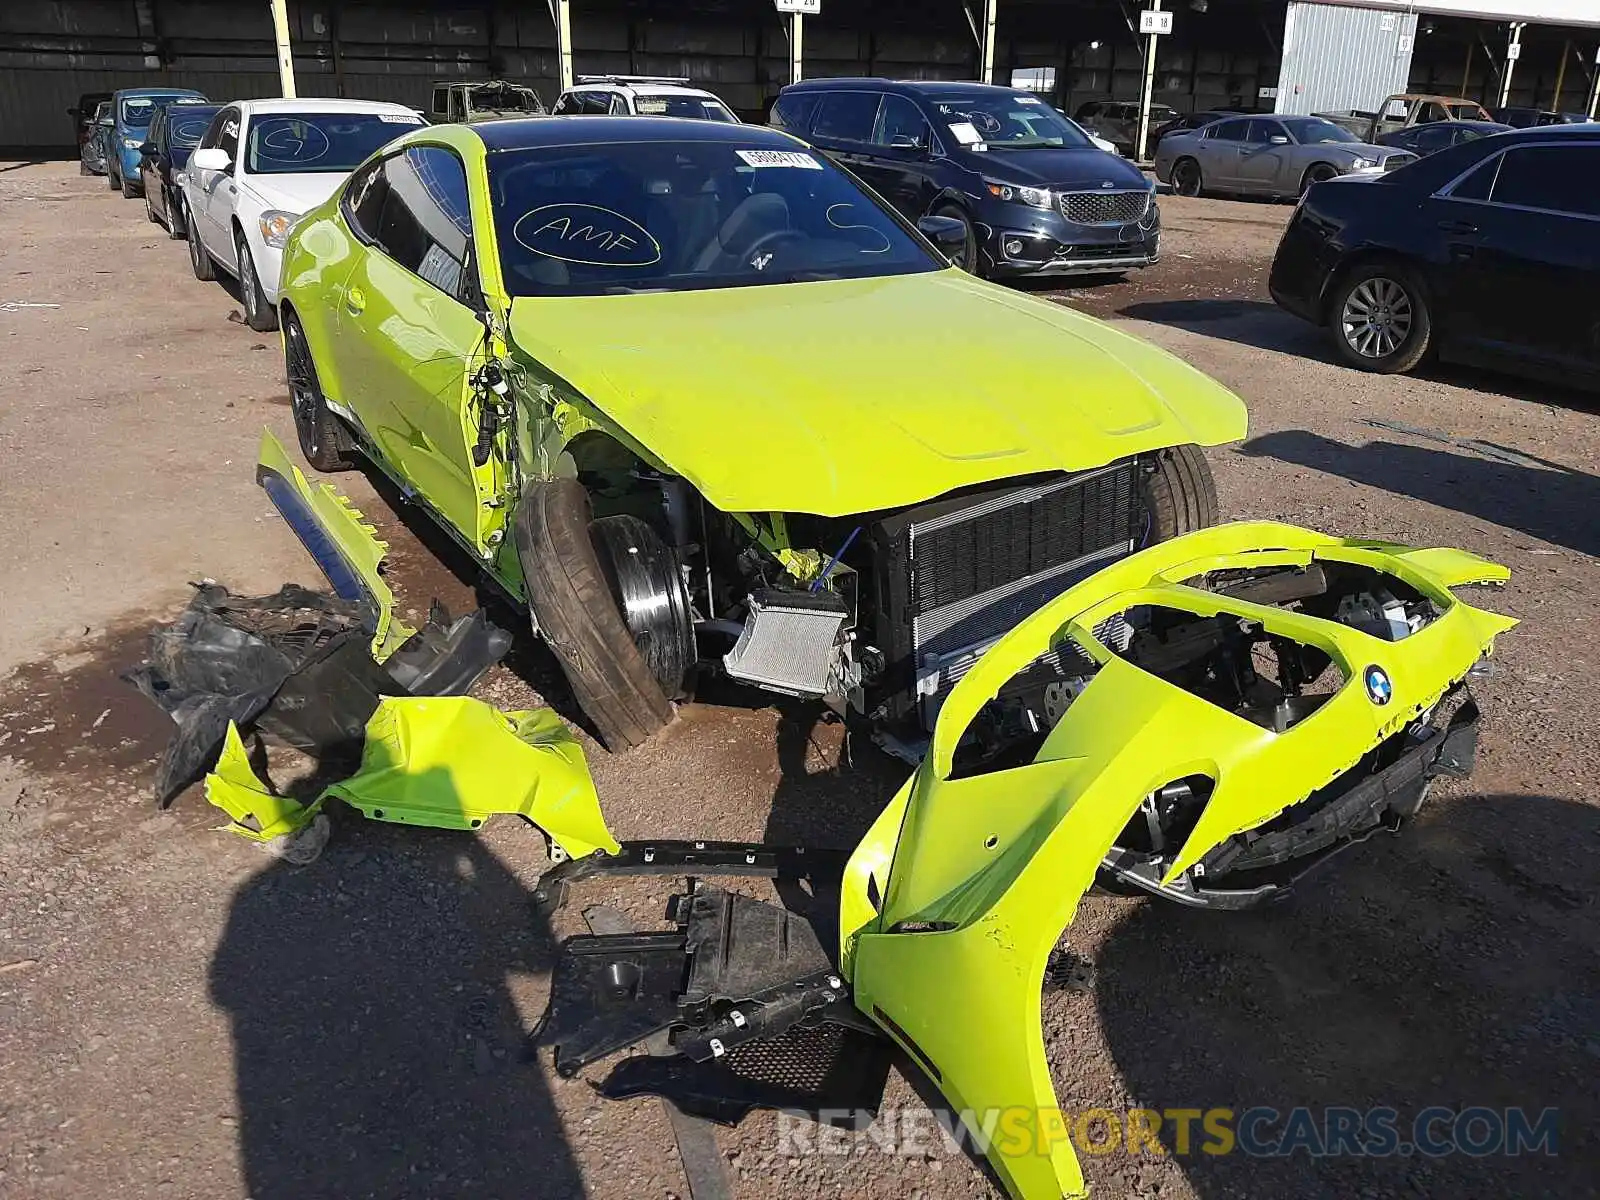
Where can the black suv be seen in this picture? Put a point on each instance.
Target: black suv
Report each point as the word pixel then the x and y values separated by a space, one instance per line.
pixel 1487 253
pixel 1033 193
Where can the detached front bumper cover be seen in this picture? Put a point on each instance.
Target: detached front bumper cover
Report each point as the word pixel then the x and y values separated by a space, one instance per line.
pixel 955 898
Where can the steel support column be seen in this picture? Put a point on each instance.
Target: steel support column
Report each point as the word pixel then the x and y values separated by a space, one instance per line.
pixel 561 14
pixel 1513 50
pixel 1148 90
pixel 986 42
pixel 280 33
pixel 797 28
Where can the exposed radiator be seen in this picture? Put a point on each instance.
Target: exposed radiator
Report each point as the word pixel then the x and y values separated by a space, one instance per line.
pixel 976 571
pixel 788 642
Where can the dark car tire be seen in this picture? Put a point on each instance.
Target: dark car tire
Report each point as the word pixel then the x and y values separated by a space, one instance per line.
pixel 1317 173
pixel 150 209
pixel 130 189
pixel 1187 178
pixel 176 228
pixel 258 314
pixel 324 438
pixel 971 258
pixel 199 256
pixel 112 182
pixel 1400 294
pixel 577 615
pixel 83 168
pixel 1180 495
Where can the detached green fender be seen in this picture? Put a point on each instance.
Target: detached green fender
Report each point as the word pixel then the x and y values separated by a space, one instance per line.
pixel 956 896
pixel 449 762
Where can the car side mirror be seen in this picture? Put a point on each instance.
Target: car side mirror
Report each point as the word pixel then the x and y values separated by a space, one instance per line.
pixel 907 141
pixel 148 150
pixel 948 235
pixel 1278 139
pixel 210 158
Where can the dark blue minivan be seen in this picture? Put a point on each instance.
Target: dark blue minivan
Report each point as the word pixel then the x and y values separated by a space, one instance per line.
pixel 1035 195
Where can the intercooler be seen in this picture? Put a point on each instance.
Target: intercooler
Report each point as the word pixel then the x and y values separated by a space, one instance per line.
pixel 960 572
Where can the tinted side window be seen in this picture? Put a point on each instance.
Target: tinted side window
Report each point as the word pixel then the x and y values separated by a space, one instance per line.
pixel 213 133
pixel 363 200
pixel 618 104
pixel 1557 178
pixel 565 104
pixel 793 112
pixel 427 226
pixel 1230 131
pixel 901 123
pixel 594 103
pixel 847 115
pixel 1476 185
pixel 1261 132
pixel 1429 139
pixel 441 101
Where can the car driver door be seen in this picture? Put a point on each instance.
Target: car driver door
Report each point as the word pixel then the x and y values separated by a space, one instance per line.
pixel 899 164
pixel 412 338
pixel 214 193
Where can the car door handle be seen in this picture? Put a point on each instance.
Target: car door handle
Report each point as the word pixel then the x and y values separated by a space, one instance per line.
pixel 1458 227
pixel 355 302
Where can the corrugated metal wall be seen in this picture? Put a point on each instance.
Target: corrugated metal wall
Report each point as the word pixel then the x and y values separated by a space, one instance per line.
pixel 1337 58
pixel 51 51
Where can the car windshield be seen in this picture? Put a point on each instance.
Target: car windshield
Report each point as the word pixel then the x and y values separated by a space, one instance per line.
pixel 700 108
pixel 1015 121
pixel 297 143
pixel 490 97
pixel 673 216
pixel 1160 112
pixel 1313 131
pixel 137 111
pixel 186 126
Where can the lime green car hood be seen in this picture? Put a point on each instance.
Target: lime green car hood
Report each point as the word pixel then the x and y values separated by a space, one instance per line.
pixel 847 396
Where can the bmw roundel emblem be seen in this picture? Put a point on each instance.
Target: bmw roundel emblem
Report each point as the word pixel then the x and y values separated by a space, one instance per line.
pixel 1379 688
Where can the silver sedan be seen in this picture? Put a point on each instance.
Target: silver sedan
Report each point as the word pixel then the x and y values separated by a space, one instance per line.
pixel 1267 156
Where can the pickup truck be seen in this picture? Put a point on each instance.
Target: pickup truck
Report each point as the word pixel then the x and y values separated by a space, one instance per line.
pixel 465 103
pixel 1403 110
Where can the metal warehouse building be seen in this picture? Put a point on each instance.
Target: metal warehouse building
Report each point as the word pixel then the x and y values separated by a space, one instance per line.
pixel 1293 55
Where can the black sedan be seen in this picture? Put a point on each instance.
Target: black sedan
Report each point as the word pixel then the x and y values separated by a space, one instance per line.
pixel 1487 253
pixel 175 130
pixel 1434 136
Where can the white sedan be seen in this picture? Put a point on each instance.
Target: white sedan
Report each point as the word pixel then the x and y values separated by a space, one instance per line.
pixel 259 166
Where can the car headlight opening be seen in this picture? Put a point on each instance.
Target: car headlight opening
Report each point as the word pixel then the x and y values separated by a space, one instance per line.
pixel 1031 196
pixel 275 226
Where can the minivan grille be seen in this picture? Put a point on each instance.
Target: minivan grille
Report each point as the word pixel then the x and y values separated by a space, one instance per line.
pixel 1104 208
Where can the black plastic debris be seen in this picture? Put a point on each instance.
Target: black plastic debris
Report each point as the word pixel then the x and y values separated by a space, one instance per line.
pixel 298 665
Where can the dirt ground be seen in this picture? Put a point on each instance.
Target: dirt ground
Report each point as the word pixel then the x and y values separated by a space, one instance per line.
pixel 182 1016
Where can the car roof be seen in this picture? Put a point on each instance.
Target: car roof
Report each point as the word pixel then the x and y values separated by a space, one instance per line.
pixel 532 132
pixel 123 93
pixel 904 87
pixel 642 89
pixel 322 104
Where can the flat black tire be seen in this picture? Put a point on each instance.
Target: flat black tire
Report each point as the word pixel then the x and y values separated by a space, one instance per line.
pixel 577 615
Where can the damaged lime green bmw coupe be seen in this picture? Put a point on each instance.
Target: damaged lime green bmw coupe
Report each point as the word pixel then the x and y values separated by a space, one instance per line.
pixel 703 402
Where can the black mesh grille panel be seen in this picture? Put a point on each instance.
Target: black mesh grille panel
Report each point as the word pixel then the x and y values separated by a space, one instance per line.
pixel 970 552
pixel 1104 208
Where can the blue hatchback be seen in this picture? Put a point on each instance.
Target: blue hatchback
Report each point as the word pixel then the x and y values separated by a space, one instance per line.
pixel 132 110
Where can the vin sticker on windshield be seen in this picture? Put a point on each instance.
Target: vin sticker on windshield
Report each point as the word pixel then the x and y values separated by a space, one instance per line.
pixel 965 132
pixel 779 158
pixel 398 119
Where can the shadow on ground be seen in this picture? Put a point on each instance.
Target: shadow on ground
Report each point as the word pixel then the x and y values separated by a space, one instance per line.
pixel 1256 323
pixel 1553 503
pixel 1455 965
pixel 378 1050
